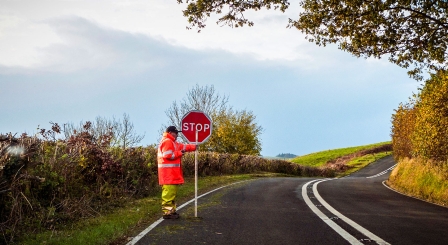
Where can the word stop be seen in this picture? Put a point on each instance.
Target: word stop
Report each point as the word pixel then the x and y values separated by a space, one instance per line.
pixel 195 127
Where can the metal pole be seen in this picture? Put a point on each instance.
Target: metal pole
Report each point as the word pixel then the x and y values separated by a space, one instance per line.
pixel 196 178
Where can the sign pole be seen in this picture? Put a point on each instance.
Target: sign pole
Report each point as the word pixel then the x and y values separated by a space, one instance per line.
pixel 193 122
pixel 196 177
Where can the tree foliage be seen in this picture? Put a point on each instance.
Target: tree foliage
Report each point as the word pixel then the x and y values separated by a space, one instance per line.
pixel 233 131
pixel 403 124
pixel 412 33
pixel 198 11
pixel 420 127
pixel 430 138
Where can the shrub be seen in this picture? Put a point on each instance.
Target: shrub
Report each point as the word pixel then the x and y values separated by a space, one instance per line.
pixel 51 181
pixel 403 124
pixel 430 137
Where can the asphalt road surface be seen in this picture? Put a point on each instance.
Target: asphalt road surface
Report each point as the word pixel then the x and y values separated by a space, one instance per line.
pixel 358 209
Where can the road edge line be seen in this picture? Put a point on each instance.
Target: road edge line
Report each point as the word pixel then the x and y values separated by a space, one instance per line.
pixel 344 218
pixel 392 189
pixel 347 236
pixel 157 222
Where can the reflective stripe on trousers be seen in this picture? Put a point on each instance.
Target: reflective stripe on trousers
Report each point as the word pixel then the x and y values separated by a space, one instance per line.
pixel 169 165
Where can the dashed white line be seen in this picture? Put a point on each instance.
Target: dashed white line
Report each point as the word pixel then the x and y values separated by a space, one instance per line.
pixel 382 173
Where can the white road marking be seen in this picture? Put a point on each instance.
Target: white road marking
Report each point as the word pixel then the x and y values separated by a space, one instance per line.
pixel 351 239
pixel 153 225
pixel 382 173
pixel 353 224
pixel 390 188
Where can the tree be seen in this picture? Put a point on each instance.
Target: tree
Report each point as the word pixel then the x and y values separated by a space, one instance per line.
pixel 122 130
pixel 420 127
pixel 198 11
pixel 198 98
pixel 233 131
pixel 125 133
pixel 430 136
pixel 413 33
pixel 403 126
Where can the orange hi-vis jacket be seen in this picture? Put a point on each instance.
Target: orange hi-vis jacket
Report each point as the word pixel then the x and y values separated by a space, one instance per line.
pixel 169 158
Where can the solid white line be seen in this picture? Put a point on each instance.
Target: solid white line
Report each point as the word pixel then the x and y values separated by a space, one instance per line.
pixel 153 225
pixel 351 239
pixel 361 229
pixel 390 188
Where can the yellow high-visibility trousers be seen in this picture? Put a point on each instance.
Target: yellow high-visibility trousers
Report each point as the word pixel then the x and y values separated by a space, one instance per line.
pixel 169 193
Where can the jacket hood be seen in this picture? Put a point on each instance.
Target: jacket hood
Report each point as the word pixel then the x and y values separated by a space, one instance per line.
pixel 169 136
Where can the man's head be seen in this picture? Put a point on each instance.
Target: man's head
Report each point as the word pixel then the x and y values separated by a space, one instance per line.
pixel 173 131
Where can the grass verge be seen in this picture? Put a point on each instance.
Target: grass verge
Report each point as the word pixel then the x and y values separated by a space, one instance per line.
pixel 318 159
pixel 117 226
pixel 360 162
pixel 422 179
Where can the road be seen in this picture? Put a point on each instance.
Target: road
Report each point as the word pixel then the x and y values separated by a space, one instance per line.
pixel 357 209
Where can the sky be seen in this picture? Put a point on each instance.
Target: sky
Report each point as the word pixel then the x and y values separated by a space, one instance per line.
pixel 67 61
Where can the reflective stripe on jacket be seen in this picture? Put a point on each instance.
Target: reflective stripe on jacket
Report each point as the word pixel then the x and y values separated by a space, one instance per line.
pixel 169 157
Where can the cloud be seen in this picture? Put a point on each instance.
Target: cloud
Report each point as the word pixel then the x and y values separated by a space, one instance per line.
pixel 86 45
pixel 325 100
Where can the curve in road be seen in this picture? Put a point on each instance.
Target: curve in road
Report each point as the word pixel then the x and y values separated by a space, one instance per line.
pixel 282 211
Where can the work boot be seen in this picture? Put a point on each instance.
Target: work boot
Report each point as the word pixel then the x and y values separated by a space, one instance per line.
pixel 171 216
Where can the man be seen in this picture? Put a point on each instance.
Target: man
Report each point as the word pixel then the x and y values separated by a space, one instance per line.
pixel 169 158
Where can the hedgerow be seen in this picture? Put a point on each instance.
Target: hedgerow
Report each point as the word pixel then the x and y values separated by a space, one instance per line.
pixel 47 182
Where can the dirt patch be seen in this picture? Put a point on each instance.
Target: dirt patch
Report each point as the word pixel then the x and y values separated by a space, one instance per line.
pixel 340 163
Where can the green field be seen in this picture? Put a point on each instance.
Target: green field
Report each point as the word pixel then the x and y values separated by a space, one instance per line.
pixel 318 159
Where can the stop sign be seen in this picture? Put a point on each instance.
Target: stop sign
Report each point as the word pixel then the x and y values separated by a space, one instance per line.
pixel 196 121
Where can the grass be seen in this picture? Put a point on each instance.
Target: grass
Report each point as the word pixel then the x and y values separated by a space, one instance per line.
pixel 421 179
pixel 360 162
pixel 318 159
pixel 115 227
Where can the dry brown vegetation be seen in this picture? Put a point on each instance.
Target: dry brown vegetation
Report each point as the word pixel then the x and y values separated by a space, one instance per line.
pixel 340 164
pixel 421 179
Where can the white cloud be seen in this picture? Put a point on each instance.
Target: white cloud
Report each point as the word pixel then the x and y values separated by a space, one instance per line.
pixel 20 40
pixel 97 58
pixel 268 39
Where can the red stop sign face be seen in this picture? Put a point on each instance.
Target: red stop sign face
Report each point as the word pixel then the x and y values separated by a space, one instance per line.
pixel 196 121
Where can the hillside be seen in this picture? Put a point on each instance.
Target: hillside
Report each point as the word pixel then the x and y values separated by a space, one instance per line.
pixel 323 157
